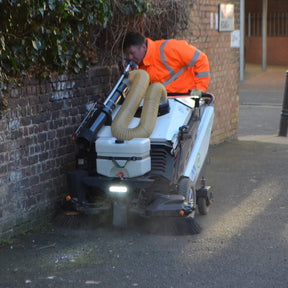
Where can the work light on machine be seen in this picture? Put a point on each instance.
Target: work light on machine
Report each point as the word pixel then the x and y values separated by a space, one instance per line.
pixel 121 189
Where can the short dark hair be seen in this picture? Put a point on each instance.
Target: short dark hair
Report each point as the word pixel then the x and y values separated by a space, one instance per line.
pixel 133 39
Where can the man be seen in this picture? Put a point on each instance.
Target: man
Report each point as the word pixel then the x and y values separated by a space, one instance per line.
pixel 180 67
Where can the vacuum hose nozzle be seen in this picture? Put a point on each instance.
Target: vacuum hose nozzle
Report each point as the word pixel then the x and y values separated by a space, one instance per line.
pixel 138 81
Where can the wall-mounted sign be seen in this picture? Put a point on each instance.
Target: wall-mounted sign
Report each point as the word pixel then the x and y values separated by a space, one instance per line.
pixel 235 39
pixel 226 17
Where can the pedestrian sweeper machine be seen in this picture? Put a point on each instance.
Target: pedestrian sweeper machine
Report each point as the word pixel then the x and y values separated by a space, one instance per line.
pixel 143 152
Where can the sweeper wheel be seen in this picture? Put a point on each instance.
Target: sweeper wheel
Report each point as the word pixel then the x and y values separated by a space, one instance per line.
pixel 202 205
pixel 185 188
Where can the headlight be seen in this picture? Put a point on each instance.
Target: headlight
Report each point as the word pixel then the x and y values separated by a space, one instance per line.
pixel 118 189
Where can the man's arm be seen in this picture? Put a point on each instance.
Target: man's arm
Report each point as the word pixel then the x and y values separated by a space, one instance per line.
pixel 196 61
pixel 202 72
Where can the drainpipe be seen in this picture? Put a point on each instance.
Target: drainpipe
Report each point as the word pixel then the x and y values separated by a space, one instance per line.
pixel 264 34
pixel 242 39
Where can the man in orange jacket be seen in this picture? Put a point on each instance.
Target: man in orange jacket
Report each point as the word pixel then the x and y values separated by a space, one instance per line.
pixel 179 66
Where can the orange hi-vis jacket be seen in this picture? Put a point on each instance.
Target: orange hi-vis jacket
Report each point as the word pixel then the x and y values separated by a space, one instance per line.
pixel 176 64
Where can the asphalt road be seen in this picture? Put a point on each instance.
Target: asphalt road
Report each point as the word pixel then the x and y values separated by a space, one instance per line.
pixel 243 242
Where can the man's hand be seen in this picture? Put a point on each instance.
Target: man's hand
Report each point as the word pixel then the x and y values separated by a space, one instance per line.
pixel 196 92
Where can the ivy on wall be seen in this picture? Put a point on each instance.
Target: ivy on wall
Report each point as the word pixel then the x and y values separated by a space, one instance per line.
pixel 39 37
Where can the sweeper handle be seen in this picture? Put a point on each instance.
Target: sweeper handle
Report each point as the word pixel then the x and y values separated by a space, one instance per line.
pixel 99 114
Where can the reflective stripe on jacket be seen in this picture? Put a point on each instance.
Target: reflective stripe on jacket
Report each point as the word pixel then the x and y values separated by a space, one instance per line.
pixel 179 66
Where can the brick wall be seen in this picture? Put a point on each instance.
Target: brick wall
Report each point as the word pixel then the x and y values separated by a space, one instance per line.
pixel 36 149
pixel 224 65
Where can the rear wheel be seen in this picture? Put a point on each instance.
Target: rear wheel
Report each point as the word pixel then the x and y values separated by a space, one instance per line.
pixel 202 205
pixel 186 189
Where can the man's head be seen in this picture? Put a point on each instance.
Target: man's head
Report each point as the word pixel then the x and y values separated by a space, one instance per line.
pixel 135 47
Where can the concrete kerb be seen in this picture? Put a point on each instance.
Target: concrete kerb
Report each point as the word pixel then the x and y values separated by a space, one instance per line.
pixel 274 139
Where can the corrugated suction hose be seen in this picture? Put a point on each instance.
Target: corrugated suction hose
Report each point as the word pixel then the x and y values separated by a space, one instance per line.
pixel 139 80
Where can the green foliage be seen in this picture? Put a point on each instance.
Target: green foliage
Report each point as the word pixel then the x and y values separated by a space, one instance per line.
pixel 135 8
pixel 39 37
pixel 6 242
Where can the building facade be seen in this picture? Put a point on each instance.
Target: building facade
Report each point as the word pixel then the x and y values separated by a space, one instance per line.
pixel 277 31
